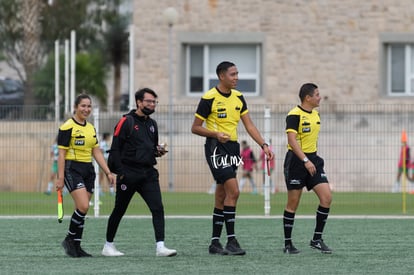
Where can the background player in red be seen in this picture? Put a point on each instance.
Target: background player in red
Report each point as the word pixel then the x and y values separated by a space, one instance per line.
pixel 249 164
pixel 404 163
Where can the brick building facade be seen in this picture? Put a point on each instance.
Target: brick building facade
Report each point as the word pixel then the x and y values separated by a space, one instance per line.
pixel 356 51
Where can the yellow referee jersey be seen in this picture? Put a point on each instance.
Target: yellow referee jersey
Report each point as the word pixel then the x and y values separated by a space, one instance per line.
pixel 222 112
pixel 306 125
pixel 78 140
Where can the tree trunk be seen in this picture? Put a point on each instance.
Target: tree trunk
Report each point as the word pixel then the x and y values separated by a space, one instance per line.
pixel 31 49
pixel 117 87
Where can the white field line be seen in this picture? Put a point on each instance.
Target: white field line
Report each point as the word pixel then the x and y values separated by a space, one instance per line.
pixel 374 217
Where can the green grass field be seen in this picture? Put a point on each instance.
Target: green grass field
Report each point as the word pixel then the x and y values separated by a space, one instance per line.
pixel 31 244
pixel 202 204
pixel 361 246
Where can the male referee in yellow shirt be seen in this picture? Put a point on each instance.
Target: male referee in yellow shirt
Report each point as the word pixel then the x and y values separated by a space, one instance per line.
pixel 221 108
pixel 304 168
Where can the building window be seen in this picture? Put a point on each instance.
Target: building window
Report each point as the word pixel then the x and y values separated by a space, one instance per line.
pixel 396 56
pixel 400 70
pixel 202 60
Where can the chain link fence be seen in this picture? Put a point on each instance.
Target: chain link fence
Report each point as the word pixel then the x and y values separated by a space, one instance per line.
pixel 360 144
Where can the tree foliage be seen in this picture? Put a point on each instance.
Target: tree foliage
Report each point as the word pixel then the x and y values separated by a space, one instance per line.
pixel 83 16
pixel 90 76
pixel 117 45
pixel 11 34
pixel 55 22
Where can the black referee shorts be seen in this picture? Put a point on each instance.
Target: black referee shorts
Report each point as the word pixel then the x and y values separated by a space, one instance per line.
pixel 296 174
pixel 79 175
pixel 222 158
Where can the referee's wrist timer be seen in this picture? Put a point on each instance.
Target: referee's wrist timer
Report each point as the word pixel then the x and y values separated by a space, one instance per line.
pixel 305 160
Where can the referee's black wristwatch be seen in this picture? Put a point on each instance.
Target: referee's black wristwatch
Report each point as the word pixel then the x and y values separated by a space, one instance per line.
pixel 264 144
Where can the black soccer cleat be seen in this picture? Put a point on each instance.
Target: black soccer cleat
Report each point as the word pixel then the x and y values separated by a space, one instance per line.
pixel 233 248
pixel 80 251
pixel 290 249
pixel 320 245
pixel 216 248
pixel 70 247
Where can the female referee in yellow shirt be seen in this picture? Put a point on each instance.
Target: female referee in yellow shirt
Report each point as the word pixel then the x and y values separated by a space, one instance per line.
pixel 77 143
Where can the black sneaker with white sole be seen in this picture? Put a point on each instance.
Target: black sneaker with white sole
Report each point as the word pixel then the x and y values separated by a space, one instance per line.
pixel 290 249
pixel 233 248
pixel 320 245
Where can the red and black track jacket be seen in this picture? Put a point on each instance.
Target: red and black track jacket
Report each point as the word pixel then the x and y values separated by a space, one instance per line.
pixel 134 142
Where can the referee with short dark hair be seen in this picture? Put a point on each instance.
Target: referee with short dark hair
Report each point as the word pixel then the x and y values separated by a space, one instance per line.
pixel 221 108
pixel 304 168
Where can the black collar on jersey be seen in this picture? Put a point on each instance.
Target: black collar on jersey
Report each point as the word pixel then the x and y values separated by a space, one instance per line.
pixel 305 110
pixel 223 94
pixel 78 122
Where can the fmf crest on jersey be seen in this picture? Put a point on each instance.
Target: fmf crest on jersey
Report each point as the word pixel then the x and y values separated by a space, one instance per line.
pixel 79 142
pixel 306 130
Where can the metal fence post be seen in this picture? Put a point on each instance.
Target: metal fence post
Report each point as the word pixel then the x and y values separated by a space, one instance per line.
pixel 266 190
pixel 96 166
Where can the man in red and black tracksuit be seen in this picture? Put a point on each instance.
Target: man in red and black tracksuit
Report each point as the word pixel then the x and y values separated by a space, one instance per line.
pixel 132 157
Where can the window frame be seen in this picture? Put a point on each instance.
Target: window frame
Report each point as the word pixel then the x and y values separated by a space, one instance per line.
pixel 207 40
pixel 386 41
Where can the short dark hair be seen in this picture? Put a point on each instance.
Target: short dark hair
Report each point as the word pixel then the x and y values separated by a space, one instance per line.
pixel 223 67
pixel 307 89
pixel 139 95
